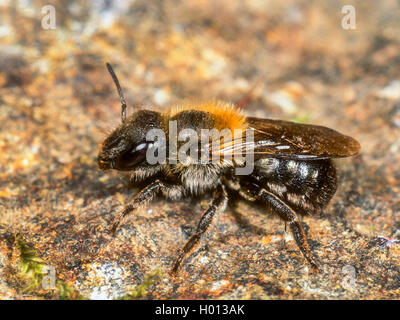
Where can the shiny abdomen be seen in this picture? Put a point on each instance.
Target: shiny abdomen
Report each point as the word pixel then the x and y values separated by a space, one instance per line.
pixel 306 186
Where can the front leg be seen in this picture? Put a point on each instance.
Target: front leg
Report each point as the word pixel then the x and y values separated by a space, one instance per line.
pixel 147 194
pixel 218 204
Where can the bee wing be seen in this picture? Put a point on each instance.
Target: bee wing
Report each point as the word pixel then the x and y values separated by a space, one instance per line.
pixel 291 140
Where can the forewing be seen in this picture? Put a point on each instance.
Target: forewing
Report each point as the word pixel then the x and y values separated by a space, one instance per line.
pixel 291 140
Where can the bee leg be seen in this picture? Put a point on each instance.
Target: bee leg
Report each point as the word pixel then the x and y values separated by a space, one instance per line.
pixel 288 215
pixel 218 204
pixel 147 194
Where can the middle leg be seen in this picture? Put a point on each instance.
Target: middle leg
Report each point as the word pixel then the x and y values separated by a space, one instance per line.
pixel 219 203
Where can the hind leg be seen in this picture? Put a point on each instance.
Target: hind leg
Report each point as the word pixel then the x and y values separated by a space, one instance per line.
pixel 286 213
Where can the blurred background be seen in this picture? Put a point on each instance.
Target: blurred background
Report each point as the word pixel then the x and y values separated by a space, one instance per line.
pixel 314 62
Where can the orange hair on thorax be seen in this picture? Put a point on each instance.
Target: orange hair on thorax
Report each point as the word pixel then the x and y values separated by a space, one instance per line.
pixel 225 115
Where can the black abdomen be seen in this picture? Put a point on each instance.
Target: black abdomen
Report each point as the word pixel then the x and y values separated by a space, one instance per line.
pixel 306 186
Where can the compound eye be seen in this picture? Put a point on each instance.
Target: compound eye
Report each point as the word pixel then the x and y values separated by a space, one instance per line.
pixel 133 157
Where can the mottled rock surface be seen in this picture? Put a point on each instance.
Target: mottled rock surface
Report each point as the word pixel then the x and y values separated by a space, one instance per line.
pixel 57 102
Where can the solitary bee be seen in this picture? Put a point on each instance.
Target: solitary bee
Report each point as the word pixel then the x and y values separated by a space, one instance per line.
pixel 292 171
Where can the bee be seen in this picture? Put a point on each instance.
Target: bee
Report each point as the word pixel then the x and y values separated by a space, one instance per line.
pixel 293 174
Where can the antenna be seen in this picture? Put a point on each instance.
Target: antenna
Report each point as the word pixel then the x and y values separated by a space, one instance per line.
pixel 249 95
pixel 121 95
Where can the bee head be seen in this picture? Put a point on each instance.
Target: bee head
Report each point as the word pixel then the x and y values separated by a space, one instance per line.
pixel 126 147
